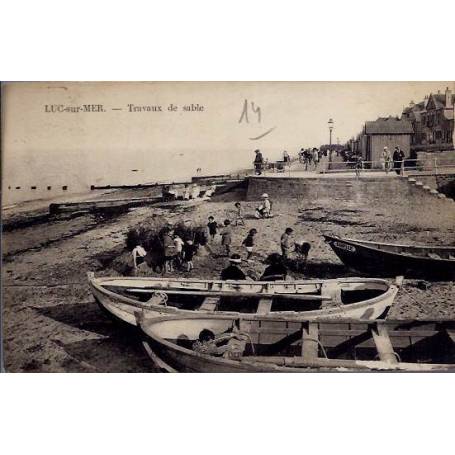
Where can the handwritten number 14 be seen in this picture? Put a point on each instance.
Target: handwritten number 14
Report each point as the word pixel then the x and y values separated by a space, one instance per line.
pixel 255 109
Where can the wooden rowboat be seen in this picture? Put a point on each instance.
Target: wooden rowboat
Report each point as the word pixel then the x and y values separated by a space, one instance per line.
pixel 385 259
pixel 364 298
pixel 305 346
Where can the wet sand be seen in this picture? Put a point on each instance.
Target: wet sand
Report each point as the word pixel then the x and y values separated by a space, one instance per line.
pixel 51 322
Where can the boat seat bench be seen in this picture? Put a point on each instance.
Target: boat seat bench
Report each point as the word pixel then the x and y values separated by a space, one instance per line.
pixel 264 306
pixel 209 304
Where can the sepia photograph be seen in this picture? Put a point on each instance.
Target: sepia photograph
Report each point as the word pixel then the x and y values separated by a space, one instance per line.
pixel 224 188
pixel 227 227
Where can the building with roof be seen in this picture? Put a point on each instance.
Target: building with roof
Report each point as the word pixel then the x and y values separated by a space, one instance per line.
pixel 384 132
pixel 433 122
pixel 413 114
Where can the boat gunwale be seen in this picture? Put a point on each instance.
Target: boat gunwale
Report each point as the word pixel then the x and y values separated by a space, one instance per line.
pixel 200 280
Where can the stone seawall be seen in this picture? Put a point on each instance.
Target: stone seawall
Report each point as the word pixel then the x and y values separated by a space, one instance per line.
pixel 444 183
pixel 367 191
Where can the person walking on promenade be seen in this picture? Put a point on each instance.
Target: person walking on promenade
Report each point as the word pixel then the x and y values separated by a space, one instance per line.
pixel 258 162
pixel 286 242
pixel 286 158
pixel 307 159
pixel 386 159
pixel 315 158
pixel 226 237
pixel 358 165
pixel 398 159
pixel 402 157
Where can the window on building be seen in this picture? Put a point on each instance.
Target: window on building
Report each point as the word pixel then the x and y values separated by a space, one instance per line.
pixel 49 188
pixel 33 187
pixel 64 188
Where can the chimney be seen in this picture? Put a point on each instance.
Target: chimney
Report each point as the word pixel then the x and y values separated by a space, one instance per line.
pixel 425 101
pixel 448 98
pixel 411 104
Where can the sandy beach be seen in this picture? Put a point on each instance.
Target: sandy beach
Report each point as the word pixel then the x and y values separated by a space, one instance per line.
pixel 52 323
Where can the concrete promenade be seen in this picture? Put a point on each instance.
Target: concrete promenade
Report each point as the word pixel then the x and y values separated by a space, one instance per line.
pixel 297 170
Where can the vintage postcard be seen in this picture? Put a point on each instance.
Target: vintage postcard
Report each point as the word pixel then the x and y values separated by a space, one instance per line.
pixel 228 226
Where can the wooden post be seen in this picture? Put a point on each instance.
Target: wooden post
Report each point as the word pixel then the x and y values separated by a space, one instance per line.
pixel 383 343
pixel 310 336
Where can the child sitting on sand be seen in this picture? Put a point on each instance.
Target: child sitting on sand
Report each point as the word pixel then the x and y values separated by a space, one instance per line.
pixel 249 243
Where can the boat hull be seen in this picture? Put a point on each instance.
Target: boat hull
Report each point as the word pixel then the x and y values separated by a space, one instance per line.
pixel 126 309
pixel 371 261
pixel 174 357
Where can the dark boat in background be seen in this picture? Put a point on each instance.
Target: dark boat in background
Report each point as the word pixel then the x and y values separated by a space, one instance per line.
pixel 386 259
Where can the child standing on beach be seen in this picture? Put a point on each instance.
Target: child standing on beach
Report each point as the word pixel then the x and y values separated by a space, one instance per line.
pixel 189 250
pixel 239 214
pixel 286 242
pixel 169 250
pixel 226 236
pixel 249 243
pixel 213 227
pixel 139 254
pixel 178 242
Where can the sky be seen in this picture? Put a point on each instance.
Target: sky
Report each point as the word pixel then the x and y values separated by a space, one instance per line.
pixel 127 144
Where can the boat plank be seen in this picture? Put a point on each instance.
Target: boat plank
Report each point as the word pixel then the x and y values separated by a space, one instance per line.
pixel 209 304
pixel 229 292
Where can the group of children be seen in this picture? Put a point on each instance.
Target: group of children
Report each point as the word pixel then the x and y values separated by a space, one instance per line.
pixel 226 231
pixel 249 241
pixel 178 252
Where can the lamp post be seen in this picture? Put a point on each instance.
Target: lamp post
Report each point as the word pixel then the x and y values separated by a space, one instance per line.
pixel 330 122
